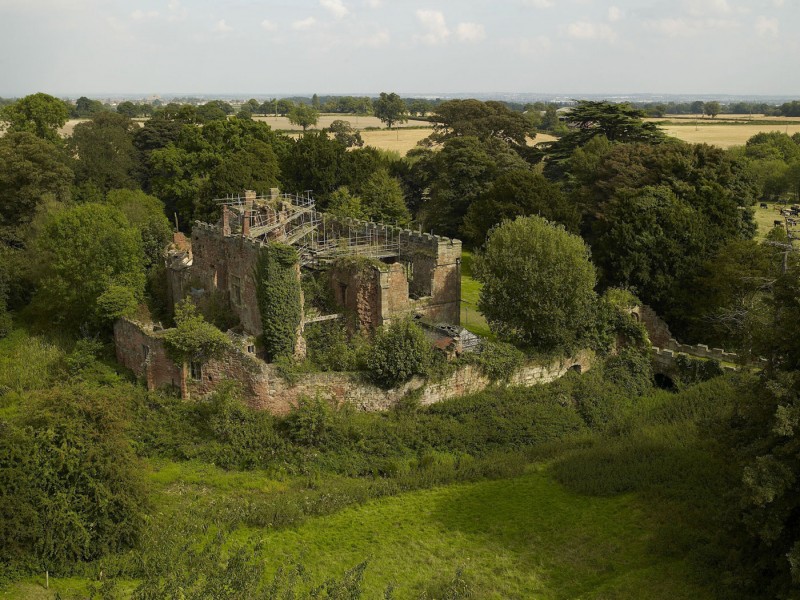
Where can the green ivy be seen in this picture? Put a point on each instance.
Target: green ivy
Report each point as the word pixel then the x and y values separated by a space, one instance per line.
pixel 278 290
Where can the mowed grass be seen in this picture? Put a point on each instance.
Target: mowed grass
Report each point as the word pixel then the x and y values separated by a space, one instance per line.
pixel 516 538
pixel 471 318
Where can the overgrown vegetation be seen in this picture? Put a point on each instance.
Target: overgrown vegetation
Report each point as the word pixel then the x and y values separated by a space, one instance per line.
pixel 278 294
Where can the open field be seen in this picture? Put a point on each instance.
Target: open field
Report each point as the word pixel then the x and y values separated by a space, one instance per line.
pixel 325 120
pixel 725 135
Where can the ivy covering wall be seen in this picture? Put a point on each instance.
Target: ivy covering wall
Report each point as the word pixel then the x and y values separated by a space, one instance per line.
pixel 279 299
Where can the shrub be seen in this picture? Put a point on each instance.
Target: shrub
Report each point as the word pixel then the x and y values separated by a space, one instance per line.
pixel 309 423
pixel 499 360
pixel 399 352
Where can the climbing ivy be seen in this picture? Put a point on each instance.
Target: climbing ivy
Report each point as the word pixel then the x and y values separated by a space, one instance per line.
pixel 278 290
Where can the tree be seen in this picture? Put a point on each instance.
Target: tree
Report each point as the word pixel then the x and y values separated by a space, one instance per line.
pixel 193 339
pixel 619 123
pixel 284 105
pixel 82 254
pixel 483 120
pixel 698 107
pixel 383 199
pixel 514 194
pixel 39 114
pixel 343 204
pixel 390 109
pixel 31 171
pixel 104 152
pixel 538 284
pixel 315 162
pixel 399 352
pixel 711 108
pixel 128 108
pixel 85 107
pixel 344 132
pixel 303 115
pixel 145 213
pixel 315 102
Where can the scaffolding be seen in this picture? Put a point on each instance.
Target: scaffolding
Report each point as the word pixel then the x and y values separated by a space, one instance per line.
pixel 320 239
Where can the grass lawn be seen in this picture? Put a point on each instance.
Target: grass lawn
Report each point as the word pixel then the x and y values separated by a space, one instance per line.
pixel 765 218
pixel 515 538
pixel 470 291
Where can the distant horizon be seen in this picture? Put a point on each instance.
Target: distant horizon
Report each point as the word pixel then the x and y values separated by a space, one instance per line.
pixel 507 96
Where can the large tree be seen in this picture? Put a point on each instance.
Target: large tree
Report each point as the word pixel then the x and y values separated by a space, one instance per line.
pixel 619 123
pixel 31 171
pixel 538 284
pixel 303 115
pixel 482 120
pixel 89 267
pixel 39 114
pixel 515 194
pixel 390 108
pixel 104 152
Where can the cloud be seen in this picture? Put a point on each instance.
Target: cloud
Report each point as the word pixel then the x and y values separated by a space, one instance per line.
pixel 436 31
pixel 222 27
pixel 335 7
pixel 470 32
pixel 268 25
pixel 177 12
pixel 140 15
pixel 376 40
pixel 673 27
pixel 767 26
pixel 533 46
pixel 614 14
pixel 539 3
pixel 701 8
pixel 585 30
pixel 777 3
pixel 373 3
pixel 304 24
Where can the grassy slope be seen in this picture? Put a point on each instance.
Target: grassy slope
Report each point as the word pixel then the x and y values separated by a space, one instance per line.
pixel 470 291
pixel 516 538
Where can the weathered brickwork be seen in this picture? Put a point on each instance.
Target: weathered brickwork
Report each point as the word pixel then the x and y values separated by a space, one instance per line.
pixel 264 389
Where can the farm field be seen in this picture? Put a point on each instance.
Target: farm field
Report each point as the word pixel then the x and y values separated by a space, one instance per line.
pixel 725 135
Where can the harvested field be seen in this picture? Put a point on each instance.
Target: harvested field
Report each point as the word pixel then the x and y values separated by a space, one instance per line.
pixel 726 135
pixel 325 120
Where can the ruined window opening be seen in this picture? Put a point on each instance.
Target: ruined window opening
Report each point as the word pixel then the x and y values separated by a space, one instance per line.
pixel 251 349
pixel 146 351
pixel 196 370
pixel 343 291
pixel 409 267
pixel 236 290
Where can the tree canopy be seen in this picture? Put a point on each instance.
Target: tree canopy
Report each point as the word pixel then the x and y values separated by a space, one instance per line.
pixel 482 120
pixel 538 284
pixel 39 114
pixel 303 115
pixel 390 108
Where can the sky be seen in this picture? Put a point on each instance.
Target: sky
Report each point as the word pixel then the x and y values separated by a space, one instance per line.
pixel 266 47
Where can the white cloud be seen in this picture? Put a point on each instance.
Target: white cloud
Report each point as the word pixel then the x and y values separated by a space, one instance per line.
pixel 534 46
pixel 222 27
pixel 268 25
pixel 539 3
pixel 767 26
pixel 673 27
pixel 177 12
pixel 304 24
pixel 777 3
pixel 614 14
pixel 701 8
pixel 373 3
pixel 585 30
pixel 436 31
pixel 335 7
pixel 470 32
pixel 140 15
pixel 376 40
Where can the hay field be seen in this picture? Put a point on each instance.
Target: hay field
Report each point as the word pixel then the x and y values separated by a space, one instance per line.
pixel 725 135
pixel 325 120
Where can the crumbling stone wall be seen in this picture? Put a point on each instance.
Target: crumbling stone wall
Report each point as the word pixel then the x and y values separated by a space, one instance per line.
pixel 375 294
pixel 264 389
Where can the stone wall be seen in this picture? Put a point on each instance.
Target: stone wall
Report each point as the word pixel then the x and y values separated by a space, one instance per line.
pixel 264 389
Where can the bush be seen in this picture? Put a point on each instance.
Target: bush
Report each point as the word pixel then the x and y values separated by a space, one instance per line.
pixel 498 360
pixel 399 352
pixel 309 423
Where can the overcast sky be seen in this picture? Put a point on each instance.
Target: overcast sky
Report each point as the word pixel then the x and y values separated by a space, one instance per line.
pixel 262 47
